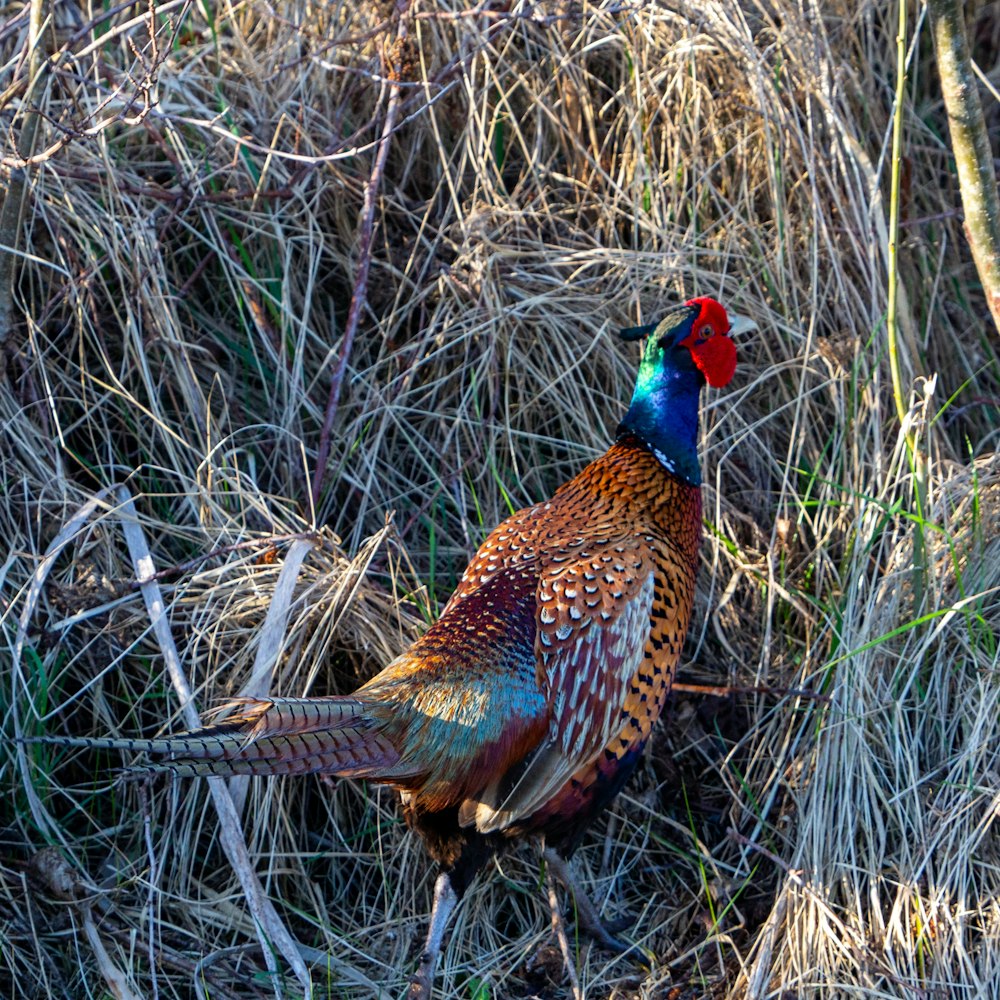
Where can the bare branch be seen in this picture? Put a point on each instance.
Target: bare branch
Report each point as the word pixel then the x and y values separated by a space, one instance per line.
pixel 391 65
pixel 970 144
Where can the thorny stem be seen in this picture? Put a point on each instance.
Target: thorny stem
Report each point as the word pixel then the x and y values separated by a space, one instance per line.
pixel 393 55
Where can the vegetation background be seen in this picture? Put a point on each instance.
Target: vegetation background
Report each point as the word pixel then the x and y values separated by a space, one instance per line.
pixel 306 297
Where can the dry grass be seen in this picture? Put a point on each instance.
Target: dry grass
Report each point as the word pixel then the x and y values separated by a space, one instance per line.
pixel 181 293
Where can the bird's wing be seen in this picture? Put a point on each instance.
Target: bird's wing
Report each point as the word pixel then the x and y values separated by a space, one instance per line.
pixel 593 612
pixel 463 703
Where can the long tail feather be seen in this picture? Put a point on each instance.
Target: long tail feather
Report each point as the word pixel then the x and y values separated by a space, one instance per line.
pixel 277 736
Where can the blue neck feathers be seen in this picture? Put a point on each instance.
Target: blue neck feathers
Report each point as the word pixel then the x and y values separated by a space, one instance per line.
pixel 664 413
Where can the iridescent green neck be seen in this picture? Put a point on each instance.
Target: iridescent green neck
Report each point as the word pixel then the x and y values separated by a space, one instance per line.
pixel 664 413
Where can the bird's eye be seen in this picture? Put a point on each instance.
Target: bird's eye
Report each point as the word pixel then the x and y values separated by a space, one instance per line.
pixel 706 331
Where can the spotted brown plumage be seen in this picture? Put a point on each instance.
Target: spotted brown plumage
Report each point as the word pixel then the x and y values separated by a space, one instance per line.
pixel 526 706
pixel 612 559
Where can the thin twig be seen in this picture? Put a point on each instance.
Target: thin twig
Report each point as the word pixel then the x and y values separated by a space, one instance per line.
pixel 266 542
pixel 724 691
pixel 359 295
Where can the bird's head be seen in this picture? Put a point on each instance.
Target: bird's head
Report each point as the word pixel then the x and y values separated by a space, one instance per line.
pixel 691 338
pixel 687 348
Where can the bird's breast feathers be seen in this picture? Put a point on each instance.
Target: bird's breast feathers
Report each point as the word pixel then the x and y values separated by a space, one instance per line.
pixel 610 606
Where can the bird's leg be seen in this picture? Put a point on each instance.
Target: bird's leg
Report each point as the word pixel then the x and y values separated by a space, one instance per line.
pixel 445 899
pixel 559 926
pixel 586 913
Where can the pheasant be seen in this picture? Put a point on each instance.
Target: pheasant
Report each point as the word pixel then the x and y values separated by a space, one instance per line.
pixel 524 709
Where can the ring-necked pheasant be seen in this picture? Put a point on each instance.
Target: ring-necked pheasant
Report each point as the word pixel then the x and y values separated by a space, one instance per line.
pixel 524 709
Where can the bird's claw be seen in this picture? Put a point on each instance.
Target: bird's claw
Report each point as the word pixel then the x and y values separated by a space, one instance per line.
pixel 420 986
pixel 619 924
pixel 605 935
pixel 602 932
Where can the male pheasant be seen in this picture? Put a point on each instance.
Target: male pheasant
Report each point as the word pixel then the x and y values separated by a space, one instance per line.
pixel 524 709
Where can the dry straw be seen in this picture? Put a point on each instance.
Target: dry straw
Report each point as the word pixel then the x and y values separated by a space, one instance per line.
pixel 192 237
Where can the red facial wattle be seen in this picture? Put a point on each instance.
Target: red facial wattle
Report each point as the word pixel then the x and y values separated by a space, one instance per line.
pixel 712 351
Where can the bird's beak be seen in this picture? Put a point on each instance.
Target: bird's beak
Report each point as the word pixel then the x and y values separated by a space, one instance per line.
pixel 741 325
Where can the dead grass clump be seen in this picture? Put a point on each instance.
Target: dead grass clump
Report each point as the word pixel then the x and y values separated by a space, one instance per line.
pixel 184 276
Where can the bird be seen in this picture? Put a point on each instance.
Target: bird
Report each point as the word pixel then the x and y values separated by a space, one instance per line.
pixel 523 710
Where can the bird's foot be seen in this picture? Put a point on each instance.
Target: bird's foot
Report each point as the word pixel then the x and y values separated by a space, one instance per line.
pixel 559 929
pixel 619 924
pixel 603 932
pixel 445 900
pixel 420 984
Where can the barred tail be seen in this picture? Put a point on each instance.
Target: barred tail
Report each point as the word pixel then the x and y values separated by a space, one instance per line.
pixel 334 735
